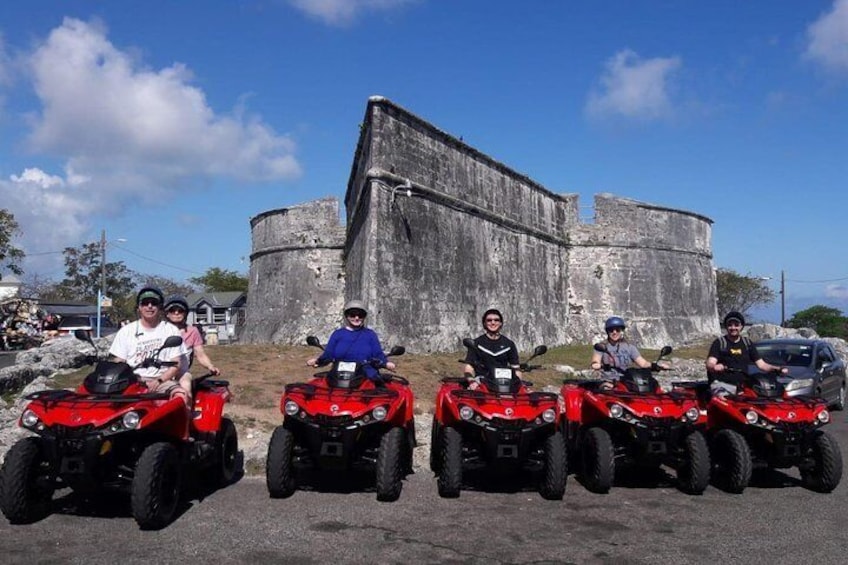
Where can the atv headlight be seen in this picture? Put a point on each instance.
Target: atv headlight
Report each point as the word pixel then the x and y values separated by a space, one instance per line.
pixel 692 414
pixel 549 415
pixel 798 384
pixel 616 410
pixel 29 419
pixel 823 417
pixel 291 408
pixel 379 413
pixel 131 420
pixel 751 417
pixel 466 412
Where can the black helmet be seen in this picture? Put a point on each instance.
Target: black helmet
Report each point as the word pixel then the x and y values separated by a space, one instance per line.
pixel 734 316
pixel 149 292
pixel 176 300
pixel 492 311
pixel 614 322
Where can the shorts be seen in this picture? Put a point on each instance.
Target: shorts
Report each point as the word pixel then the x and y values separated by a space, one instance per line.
pixel 171 387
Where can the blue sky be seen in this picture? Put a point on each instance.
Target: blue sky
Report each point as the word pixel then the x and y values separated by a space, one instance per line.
pixel 171 124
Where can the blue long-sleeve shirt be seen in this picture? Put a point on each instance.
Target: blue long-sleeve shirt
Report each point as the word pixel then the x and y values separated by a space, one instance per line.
pixel 359 345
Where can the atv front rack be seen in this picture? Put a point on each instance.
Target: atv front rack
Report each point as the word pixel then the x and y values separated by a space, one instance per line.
pixel 312 390
pixel 64 395
pixel 527 398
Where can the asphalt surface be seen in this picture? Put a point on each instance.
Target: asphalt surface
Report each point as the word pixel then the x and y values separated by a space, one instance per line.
pixel 7 358
pixel 640 521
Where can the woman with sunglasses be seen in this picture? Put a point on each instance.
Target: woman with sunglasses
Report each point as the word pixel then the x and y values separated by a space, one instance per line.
pixel 619 353
pixel 493 349
pixel 176 311
pixel 354 342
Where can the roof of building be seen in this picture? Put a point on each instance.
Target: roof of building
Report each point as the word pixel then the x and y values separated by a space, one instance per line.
pixel 227 299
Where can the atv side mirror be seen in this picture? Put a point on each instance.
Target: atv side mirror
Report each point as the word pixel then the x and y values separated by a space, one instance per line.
pixel 540 350
pixel 172 341
pixel 83 335
pixel 469 343
pixel 313 341
pixel 397 350
pixel 666 350
pixel 600 347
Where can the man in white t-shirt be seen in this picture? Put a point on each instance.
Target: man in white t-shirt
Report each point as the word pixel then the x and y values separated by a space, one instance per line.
pixel 138 340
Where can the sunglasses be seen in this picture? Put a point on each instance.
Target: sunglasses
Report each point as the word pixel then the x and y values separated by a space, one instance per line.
pixel 175 310
pixel 359 315
pixel 150 302
pixel 488 320
pixel 619 330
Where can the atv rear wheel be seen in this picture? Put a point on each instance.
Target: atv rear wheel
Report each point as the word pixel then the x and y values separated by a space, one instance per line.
pixel 827 470
pixel 279 466
pixel 840 400
pixel 449 480
pixel 731 459
pixel 552 486
pixel 389 461
pixel 598 460
pixel 22 498
pixel 156 486
pixel 435 439
pixel 693 475
pixel 226 453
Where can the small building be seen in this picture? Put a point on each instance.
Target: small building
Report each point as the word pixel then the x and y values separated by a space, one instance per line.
pixel 10 286
pixel 220 314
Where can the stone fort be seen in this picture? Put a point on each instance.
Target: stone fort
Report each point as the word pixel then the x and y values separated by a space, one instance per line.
pixel 436 232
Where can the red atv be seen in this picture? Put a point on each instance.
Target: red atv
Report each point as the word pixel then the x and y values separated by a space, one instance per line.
pixel 761 427
pixel 632 421
pixel 340 420
pixel 112 435
pixel 501 426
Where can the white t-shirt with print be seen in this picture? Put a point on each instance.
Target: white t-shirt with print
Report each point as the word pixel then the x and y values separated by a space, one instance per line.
pixel 135 343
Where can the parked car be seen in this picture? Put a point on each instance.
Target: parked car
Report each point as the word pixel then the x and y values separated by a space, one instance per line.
pixel 89 323
pixel 814 368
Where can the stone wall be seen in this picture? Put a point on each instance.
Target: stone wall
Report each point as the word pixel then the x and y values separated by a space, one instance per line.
pixel 296 282
pixel 438 232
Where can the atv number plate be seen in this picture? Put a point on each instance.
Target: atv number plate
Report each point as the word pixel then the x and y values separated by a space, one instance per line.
pixel 503 374
pixel 346 367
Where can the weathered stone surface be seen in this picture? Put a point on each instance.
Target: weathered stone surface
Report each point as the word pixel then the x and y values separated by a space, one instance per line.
pixel 296 285
pixel 438 232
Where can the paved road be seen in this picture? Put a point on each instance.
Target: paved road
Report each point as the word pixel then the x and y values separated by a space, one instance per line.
pixel 774 521
pixel 7 358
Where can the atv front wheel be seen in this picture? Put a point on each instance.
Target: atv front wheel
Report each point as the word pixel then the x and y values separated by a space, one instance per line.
pixel 279 466
pixel 226 453
pixel 827 469
pixel 435 438
pixel 598 460
pixel 389 461
pixel 552 486
pixel 693 475
pixel 24 494
pixel 840 400
pixel 731 458
pixel 449 480
pixel 156 486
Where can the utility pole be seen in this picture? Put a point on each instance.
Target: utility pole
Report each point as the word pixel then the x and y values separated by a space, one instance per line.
pixel 102 292
pixel 782 299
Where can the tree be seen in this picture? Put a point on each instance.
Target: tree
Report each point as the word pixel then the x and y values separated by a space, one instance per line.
pixel 740 292
pixel 221 280
pixel 83 272
pixel 826 321
pixel 10 256
pixel 167 286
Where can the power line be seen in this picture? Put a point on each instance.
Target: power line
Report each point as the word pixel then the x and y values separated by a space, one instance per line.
pixel 156 261
pixel 818 282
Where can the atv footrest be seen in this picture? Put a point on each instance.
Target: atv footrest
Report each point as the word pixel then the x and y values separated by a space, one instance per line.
pixel 332 449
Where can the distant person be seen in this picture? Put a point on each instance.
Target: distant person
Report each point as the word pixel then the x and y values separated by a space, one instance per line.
pixel 353 341
pixel 176 310
pixel 136 341
pixel 494 350
pixel 619 354
pixel 730 355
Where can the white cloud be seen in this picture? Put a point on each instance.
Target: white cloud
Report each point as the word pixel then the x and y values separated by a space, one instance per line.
pixel 131 129
pixel 633 88
pixel 344 12
pixel 828 38
pixel 837 291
